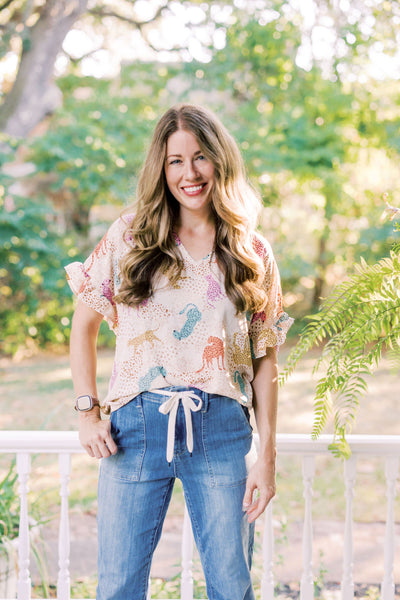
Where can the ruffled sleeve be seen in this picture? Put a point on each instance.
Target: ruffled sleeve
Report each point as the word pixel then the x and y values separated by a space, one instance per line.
pixel 269 327
pixel 95 281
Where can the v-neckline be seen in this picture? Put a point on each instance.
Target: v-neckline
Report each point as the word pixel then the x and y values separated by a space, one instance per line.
pixel 185 251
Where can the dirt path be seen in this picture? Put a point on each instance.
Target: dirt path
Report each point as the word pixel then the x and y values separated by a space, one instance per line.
pixel 327 555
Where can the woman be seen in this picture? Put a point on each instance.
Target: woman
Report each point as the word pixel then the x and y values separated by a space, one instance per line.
pixel 193 295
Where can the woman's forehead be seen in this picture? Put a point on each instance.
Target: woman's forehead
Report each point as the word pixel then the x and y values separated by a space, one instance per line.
pixel 182 142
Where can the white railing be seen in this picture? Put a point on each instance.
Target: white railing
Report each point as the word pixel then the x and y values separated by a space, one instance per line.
pixel 66 443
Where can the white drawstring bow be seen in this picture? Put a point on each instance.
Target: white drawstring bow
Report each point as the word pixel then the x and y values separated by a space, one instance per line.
pixel 170 406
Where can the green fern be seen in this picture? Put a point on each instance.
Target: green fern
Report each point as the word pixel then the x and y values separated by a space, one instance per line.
pixel 359 320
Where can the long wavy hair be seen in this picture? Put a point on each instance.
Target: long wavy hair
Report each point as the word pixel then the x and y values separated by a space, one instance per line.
pixel 234 203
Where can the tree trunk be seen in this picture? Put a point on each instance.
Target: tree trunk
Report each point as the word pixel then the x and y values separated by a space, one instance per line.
pixel 34 94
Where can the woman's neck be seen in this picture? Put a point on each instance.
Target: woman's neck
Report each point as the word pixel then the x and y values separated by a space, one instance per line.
pixel 196 225
pixel 194 219
pixel 197 235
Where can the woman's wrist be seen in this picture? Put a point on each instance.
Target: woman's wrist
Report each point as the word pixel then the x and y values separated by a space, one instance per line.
pixel 90 415
pixel 267 455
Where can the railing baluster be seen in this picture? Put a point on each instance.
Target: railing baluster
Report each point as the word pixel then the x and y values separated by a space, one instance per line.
pixel 267 581
pixel 391 472
pixel 349 469
pixel 307 579
pixel 63 582
pixel 24 579
pixel 187 559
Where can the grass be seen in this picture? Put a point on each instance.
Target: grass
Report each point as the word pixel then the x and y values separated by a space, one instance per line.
pixel 37 394
pixel 48 405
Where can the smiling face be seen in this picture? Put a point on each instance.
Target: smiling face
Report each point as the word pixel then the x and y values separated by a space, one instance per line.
pixel 189 174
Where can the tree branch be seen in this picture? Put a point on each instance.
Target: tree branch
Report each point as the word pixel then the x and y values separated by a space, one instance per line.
pixel 5 4
pixel 77 60
pixel 99 11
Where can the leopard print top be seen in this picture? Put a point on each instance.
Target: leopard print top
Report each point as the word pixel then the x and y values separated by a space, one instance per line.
pixel 186 334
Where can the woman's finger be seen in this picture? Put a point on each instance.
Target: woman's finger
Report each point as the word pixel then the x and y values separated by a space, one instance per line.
pixel 110 444
pixel 260 504
pixel 248 495
pixel 89 450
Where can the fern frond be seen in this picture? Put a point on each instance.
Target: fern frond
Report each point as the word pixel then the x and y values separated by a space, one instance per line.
pixel 340 447
pixel 347 301
pixel 359 320
pixel 322 409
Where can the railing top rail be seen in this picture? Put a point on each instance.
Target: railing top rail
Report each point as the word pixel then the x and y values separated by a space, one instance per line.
pixel 40 441
pixel 287 443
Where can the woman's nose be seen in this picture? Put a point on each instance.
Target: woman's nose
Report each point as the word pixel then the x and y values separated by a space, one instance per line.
pixel 190 170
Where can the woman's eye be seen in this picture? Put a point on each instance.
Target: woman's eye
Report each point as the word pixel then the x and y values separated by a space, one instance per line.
pixel 176 161
pixel 201 157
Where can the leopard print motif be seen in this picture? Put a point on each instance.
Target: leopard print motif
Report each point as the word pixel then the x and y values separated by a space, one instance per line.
pixel 187 334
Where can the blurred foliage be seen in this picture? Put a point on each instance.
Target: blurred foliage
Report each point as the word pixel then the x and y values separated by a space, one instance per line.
pixel 9 506
pixel 35 304
pixel 321 148
pixel 302 135
pixel 96 143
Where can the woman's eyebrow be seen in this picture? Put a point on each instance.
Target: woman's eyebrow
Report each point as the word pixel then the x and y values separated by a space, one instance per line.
pixel 180 155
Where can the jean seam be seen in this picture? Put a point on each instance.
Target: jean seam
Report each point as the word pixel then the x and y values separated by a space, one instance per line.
pixel 206 402
pixel 203 441
pixel 198 540
pixel 140 465
pixel 155 531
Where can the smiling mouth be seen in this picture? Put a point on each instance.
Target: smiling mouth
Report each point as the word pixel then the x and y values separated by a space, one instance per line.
pixel 194 189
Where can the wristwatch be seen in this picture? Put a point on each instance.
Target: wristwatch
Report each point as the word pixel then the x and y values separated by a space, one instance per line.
pixel 85 403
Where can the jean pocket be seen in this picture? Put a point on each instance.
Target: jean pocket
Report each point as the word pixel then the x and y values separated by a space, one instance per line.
pixel 227 439
pixel 129 433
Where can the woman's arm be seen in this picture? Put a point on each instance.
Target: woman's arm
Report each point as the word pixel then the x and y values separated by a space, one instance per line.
pixel 261 476
pixel 94 433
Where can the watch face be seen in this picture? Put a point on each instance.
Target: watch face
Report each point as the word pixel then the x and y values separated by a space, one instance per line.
pixel 84 403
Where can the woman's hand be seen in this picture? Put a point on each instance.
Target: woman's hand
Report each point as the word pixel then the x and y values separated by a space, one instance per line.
pixel 260 488
pixel 95 435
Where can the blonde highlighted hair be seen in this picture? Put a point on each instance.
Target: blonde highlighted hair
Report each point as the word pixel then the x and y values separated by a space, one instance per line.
pixel 234 203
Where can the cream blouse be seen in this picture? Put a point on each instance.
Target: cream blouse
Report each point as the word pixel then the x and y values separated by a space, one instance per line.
pixel 186 334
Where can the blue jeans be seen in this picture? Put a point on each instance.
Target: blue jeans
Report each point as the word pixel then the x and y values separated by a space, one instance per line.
pixel 135 488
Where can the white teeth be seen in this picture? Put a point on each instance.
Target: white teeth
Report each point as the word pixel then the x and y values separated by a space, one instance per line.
pixel 193 189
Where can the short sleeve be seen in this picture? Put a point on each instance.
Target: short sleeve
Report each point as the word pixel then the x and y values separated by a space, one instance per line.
pixel 95 280
pixel 269 327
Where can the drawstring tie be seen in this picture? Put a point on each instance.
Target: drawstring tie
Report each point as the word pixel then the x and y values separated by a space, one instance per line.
pixel 170 407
